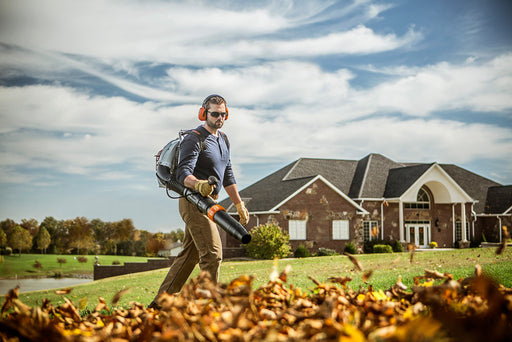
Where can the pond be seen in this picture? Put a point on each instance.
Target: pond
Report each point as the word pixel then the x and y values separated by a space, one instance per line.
pixel 36 284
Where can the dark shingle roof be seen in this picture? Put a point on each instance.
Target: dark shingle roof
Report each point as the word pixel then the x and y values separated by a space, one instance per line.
pixel 401 179
pixel 474 185
pixel 269 191
pixel 499 199
pixel 374 176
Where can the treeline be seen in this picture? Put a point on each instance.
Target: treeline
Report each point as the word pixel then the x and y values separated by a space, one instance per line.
pixel 82 236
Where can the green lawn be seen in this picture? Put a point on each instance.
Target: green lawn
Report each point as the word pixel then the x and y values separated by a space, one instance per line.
pixel 386 267
pixel 23 266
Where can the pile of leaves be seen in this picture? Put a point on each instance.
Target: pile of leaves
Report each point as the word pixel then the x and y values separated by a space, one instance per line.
pixel 437 308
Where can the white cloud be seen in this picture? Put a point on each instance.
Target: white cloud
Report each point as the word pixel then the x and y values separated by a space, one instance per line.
pixel 279 111
pixel 183 33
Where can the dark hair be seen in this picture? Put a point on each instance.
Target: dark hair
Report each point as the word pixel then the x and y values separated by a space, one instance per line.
pixel 215 99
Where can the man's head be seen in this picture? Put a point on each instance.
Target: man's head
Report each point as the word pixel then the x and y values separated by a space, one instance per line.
pixel 208 107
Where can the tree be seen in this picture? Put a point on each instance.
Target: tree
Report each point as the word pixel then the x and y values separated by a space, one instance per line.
pixel 123 230
pixel 31 225
pixel 43 239
pixel 20 239
pixel 50 224
pixel 80 234
pixel 3 238
pixel 176 236
pixel 7 226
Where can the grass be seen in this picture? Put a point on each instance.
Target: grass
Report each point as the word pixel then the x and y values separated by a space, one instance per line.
pixel 22 266
pixel 387 267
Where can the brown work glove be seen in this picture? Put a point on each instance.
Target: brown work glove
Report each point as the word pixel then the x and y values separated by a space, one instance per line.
pixel 204 188
pixel 243 213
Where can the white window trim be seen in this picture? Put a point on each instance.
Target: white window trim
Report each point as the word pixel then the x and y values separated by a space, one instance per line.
pixel 371 225
pixel 297 229
pixel 340 230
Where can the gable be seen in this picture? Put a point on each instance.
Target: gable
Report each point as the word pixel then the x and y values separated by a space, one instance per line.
pixel 442 186
pixel 330 185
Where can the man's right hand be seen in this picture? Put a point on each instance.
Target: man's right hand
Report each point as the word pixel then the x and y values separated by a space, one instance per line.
pixel 204 187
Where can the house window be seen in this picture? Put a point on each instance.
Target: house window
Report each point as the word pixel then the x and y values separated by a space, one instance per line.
pixel 370 230
pixel 297 229
pixel 458 230
pixel 422 201
pixel 340 230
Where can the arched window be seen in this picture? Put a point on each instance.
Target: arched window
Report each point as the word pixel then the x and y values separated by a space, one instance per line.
pixel 422 201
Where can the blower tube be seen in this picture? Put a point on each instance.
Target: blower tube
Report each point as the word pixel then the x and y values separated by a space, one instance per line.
pixel 206 205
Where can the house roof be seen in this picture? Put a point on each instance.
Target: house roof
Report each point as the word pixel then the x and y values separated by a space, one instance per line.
pixel 475 186
pixel 499 200
pixel 374 176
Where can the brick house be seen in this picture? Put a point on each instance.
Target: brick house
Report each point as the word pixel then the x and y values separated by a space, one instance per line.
pixel 329 203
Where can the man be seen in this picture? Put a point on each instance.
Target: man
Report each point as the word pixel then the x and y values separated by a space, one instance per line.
pixel 200 159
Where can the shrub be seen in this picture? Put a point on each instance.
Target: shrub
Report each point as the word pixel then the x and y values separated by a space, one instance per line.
pixel 82 259
pixel 350 248
pixel 433 244
pixel 397 247
pixel 382 249
pixel 368 245
pixel 61 261
pixel 326 252
pixel 301 252
pixel 268 242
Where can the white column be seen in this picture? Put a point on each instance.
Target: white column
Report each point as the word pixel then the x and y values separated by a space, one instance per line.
pixel 401 220
pixel 463 219
pixel 453 221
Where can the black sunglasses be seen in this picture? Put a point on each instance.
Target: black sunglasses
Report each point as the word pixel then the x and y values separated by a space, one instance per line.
pixel 216 114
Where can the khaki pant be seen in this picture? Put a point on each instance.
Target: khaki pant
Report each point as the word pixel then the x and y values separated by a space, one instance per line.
pixel 201 244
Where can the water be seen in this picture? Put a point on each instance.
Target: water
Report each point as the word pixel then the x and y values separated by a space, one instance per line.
pixel 36 284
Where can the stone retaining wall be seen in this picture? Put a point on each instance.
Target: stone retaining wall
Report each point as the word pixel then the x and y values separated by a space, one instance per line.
pixel 106 271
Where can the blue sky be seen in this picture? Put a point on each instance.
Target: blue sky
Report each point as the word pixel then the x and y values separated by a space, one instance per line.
pixel 90 90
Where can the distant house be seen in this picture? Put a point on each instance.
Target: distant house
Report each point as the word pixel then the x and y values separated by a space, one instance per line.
pixel 329 203
pixel 171 250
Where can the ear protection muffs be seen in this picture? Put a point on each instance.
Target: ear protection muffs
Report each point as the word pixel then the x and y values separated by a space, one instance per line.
pixel 202 110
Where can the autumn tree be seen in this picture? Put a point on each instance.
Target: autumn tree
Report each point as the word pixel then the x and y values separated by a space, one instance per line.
pixel 176 236
pixel 156 243
pixel 43 239
pixel 60 236
pixel 20 239
pixel 3 238
pixel 7 226
pixel 80 234
pixel 123 230
pixel 31 225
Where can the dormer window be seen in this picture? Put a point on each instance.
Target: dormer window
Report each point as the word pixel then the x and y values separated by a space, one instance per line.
pixel 422 201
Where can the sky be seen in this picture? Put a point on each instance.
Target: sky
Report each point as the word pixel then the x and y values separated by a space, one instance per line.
pixel 91 90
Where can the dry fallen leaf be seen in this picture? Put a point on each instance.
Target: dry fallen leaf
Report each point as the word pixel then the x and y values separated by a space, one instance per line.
pixel 354 260
pixel 63 291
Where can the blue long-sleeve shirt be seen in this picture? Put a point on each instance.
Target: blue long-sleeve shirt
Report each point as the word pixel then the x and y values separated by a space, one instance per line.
pixel 214 160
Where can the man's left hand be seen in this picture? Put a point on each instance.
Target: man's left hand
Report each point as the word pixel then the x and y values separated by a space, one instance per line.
pixel 243 213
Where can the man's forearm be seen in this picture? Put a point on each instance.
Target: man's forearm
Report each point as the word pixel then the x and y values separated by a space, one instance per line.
pixel 232 191
pixel 190 181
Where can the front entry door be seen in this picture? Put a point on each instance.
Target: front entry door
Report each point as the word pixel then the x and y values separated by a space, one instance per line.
pixel 418 234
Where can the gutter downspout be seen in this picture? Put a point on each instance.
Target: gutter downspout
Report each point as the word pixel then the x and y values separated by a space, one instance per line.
pixel 499 227
pixel 474 219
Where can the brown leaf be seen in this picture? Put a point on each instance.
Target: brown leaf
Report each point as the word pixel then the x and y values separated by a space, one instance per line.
pixel 340 280
pixel 504 240
pixel 367 276
pixel 63 291
pixel 354 260
pixel 9 297
pixel 118 296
